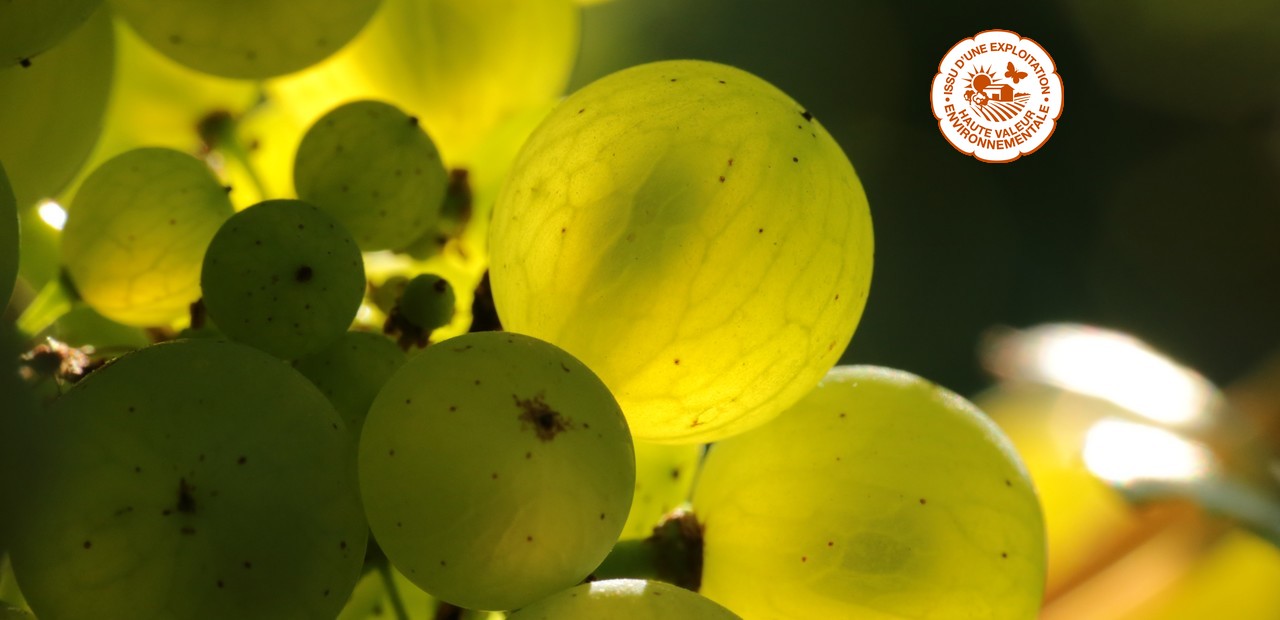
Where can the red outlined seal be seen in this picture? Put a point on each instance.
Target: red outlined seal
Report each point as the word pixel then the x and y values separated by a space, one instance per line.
pixel 997 96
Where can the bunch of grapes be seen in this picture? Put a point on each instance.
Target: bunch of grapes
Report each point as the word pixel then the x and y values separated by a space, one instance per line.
pixel 351 318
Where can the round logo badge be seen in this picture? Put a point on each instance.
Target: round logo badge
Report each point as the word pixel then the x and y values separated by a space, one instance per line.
pixel 997 96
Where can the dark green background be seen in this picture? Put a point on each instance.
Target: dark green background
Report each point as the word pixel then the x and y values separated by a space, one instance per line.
pixel 1154 208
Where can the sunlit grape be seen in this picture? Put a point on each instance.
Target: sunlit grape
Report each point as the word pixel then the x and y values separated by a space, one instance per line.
pixel 879 495
pixel 137 232
pixel 694 236
pixel 664 476
pixel 461 66
pixel 283 276
pixel 51 112
pixel 196 480
pixel 373 168
pixel 28 27
pixel 625 599
pixel 495 470
pixel 247 38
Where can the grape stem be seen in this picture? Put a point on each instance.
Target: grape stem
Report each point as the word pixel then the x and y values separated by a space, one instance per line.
pixel 393 592
pixel 673 554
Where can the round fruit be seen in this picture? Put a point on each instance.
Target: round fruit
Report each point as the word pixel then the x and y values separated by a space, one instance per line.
pixel 694 236
pixel 625 599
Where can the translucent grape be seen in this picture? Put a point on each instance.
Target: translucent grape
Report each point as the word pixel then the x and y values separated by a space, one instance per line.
pixel 283 276
pixel 495 470
pixel 247 38
pixel 8 239
pixel 625 599
pixel 51 112
pixel 351 371
pixel 664 476
pixel 137 232
pixel 879 495
pixel 373 168
pixel 29 27
pixel 694 236
pixel 194 479
pixel 461 66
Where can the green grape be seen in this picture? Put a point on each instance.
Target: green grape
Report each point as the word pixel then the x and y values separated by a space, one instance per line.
pixel 495 470
pixel 625 599
pixel 29 27
pixel 879 495
pixel 283 276
pixel 51 112
pixel 8 239
pixel 461 66
pixel 427 302
pixel 694 236
pixel 83 326
pixel 373 168
pixel 137 231
pixel 247 38
pixel 664 476
pixel 193 479
pixel 351 371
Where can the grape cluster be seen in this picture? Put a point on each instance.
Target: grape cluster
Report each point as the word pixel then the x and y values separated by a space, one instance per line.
pixel 386 331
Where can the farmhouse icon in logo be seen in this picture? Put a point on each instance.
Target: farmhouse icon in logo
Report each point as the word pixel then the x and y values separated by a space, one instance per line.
pixel 997 96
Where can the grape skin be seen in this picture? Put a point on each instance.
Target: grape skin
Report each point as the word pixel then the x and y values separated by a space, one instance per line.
pixel 194 479
pixel 351 372
pixel 137 231
pixel 247 38
pixel 879 495
pixel 373 168
pixel 495 470
pixel 625 599
pixel 664 476
pixel 29 27
pixel 461 66
pixel 694 236
pixel 52 112
pixel 283 276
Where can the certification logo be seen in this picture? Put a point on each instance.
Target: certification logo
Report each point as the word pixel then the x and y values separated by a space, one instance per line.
pixel 997 96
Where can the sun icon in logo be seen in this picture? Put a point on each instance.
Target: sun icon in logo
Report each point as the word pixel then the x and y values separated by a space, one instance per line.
pixel 979 80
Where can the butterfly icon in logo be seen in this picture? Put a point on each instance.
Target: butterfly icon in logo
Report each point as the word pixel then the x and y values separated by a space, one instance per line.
pixel 1015 74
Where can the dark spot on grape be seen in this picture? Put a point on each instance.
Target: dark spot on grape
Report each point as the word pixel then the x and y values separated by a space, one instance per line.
pixel 673 79
pixel 166 512
pixel 391 452
pixel 602 516
pixel 25 62
pixel 248 564
pixel 722 179
pixel 188 530
pixel 413 120
pixel 399 524
pixel 528 455
pixel 477 382
pixel 342 544
pixel 795 159
pixel 303 274
pixel 563 367
pixel 88 544
pixel 453 407
pixel 582 110
pixel 842 415
pixel 226 188
pixel 251 55
pixel 677 361
pixel 804 558
pixel 326 592
pixel 220 583
pixel 528 539
pixel 186 501
pixel 807 116
pixel 443 563
pixel 675 473
pixel 408 401
pixel 175 39
pixel 130 409
pixel 922 501
pixel 1007 483
pixel 760 231
pixel 172 221
pixel 137 469
pixel 545 421
pixel 837 298
pixel 563 230
pixel 1004 556
pixel 240 461
pixel 831 543
pixel 586 426
pixel 494 475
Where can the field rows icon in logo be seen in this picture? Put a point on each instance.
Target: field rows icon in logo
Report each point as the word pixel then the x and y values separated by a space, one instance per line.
pixel 997 96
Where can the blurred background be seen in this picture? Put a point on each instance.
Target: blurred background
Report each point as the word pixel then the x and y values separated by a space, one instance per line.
pixel 1153 213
